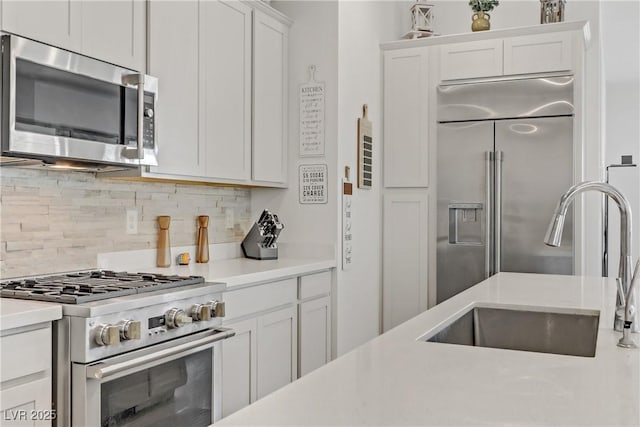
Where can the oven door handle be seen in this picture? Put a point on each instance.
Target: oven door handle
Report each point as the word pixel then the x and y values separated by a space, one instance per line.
pixel 101 371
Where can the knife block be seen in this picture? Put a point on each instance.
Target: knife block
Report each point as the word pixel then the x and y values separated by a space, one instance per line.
pixel 253 245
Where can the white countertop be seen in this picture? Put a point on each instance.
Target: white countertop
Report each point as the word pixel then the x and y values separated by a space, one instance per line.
pixel 243 271
pixel 15 313
pixel 395 379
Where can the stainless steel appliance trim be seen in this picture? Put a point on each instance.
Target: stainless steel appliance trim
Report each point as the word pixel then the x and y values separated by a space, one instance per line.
pixel 33 145
pixel 138 81
pixel 488 212
pixel 498 219
pixel 104 370
pixel 61 375
pixel 87 390
pixel 532 97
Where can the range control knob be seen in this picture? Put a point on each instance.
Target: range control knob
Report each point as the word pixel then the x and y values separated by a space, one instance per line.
pixel 217 308
pixel 107 334
pixel 148 112
pixel 129 330
pixel 175 318
pixel 200 312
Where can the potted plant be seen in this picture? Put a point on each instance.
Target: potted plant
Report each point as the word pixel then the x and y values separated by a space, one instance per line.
pixel 480 19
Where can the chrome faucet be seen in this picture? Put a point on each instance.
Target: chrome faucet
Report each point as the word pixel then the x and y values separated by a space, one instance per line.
pixel 626 317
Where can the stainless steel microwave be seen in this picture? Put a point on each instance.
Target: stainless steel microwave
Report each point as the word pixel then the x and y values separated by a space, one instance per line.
pixel 62 108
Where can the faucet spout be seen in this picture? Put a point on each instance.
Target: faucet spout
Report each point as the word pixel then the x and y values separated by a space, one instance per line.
pixel 554 235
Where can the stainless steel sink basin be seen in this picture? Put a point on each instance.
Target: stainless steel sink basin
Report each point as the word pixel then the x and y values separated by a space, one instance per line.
pixel 543 332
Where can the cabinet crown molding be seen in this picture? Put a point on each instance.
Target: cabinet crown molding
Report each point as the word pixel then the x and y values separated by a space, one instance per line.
pixel 493 34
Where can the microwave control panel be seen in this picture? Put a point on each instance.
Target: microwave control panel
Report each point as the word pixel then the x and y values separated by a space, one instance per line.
pixel 149 120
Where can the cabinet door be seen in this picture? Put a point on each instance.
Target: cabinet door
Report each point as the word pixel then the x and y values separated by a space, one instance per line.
pixel 238 367
pixel 277 350
pixel 315 334
pixel 539 53
pixel 115 31
pixel 225 87
pixel 174 61
pixel 405 256
pixel 27 404
pixel 406 121
pixel 468 60
pixel 56 22
pixel 269 154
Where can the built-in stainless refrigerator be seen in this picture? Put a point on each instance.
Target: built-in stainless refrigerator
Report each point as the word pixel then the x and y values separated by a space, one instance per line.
pixel 504 158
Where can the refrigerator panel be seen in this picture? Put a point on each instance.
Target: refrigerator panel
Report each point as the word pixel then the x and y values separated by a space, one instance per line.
pixel 537 168
pixel 549 96
pixel 462 194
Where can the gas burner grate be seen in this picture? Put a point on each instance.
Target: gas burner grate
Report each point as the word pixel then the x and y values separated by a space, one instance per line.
pixel 78 288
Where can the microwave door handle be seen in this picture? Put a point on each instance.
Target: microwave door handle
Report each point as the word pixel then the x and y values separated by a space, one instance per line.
pixel 136 80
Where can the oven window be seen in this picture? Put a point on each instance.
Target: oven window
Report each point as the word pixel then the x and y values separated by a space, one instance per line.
pixel 176 393
pixel 60 103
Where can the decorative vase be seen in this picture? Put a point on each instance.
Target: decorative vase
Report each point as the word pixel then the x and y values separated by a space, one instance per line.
pixel 480 21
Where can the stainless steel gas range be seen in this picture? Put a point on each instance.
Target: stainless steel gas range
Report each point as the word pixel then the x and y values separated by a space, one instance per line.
pixel 133 349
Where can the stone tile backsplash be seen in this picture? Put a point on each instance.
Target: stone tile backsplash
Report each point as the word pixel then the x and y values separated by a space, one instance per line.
pixel 54 221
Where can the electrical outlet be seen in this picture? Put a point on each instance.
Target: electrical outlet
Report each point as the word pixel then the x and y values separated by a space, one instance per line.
pixel 132 221
pixel 228 218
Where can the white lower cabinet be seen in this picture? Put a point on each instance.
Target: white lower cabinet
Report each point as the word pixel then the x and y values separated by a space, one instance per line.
pixel 277 350
pixel 404 256
pixel 314 321
pixel 259 359
pixel 25 378
pixel 315 334
pixel 282 331
pixel 239 361
pixel 262 356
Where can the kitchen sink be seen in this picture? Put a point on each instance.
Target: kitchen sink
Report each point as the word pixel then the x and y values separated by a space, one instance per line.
pixel 512 329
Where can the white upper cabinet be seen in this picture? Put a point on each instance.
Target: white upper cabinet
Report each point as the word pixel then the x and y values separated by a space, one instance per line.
pixel 482 58
pixel 55 22
pixel 406 123
pixel 174 61
pixel 112 31
pixel 538 53
pixel 225 51
pixel 270 38
pixel 115 31
pixel 529 54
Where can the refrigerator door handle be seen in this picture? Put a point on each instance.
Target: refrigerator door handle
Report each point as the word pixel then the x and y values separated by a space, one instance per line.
pixel 488 202
pixel 498 208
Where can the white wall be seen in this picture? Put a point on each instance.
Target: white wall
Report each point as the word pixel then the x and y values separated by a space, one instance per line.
pixel 363 26
pixel 342 39
pixel 313 39
pixel 621 59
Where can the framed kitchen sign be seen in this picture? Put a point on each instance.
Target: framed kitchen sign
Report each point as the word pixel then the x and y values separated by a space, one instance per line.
pixel 313 184
pixel 312 116
pixel 365 150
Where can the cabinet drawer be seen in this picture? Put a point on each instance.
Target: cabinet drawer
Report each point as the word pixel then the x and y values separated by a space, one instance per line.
pixel 25 353
pixel 538 54
pixel 259 298
pixel 481 58
pixel 315 284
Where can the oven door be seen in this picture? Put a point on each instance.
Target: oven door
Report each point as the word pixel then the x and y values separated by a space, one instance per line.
pixel 174 383
pixel 58 105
